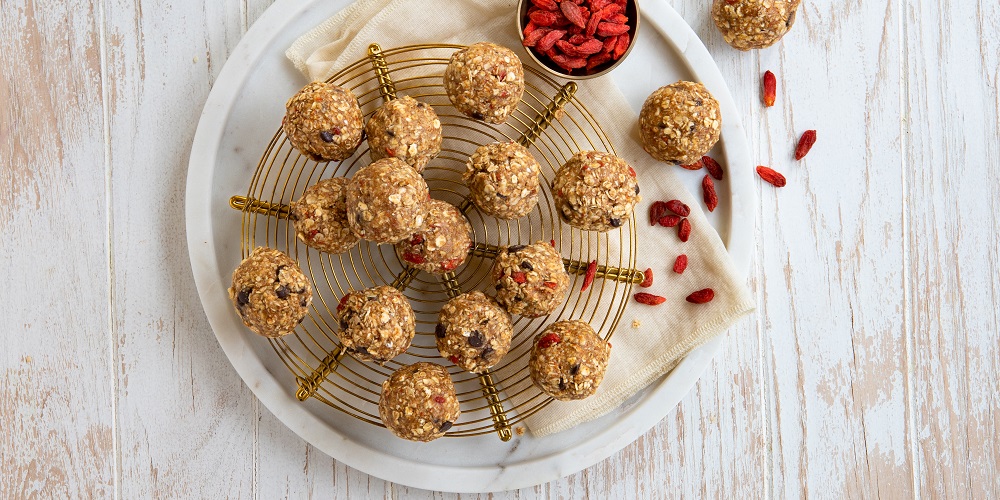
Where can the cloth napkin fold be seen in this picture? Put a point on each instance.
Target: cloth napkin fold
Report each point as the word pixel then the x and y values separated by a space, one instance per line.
pixel 649 341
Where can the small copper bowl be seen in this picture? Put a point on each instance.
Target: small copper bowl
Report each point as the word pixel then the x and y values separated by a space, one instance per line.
pixel 631 10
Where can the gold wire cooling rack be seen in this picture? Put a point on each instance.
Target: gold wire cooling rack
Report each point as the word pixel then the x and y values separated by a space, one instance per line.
pixel 554 124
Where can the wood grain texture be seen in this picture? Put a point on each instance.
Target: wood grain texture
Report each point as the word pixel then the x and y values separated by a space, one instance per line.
pixel 870 369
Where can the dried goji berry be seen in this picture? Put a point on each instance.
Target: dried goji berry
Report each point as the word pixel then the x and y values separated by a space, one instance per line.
pixel 519 277
pixel 609 45
pixel 548 340
pixel 647 278
pixel 713 167
pixel 693 166
pixel 772 177
pixel 656 210
pixel 611 29
pixel 573 12
pixel 684 230
pixel 550 284
pixel 532 39
pixel 589 277
pixel 553 243
pixel 701 296
pixel 649 299
pixel 621 46
pixel 631 171
pixel 568 63
pixel 546 4
pixel 343 300
pixel 596 5
pixel 680 263
pixel 413 258
pixel 669 220
pixel 578 39
pixel 453 359
pixel 416 240
pixel 549 40
pixel 805 144
pixel 708 193
pixel 770 89
pixel 679 208
pixel 530 28
pixel 543 18
pixel 583 50
pixel 439 399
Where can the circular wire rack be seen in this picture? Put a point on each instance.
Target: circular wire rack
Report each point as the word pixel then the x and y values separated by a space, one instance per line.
pixel 554 124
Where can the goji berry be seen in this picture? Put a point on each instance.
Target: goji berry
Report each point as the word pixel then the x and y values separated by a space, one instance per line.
pixel 589 277
pixel 631 171
pixel 669 220
pixel 439 399
pixel 578 39
pixel 583 50
pixel 532 39
pixel 684 230
pixel 548 340
pixel 592 23
pixel 546 4
pixel 550 284
pixel 553 243
pixel 573 12
pixel 413 258
pixel 549 40
pixel 609 45
pixel 679 208
pixel 453 359
pixel 771 177
pixel 416 240
pixel 680 264
pixel 656 210
pixel 770 89
pixel 701 296
pixel 693 166
pixel 530 28
pixel 343 300
pixel 596 5
pixel 621 46
pixel 519 277
pixel 713 167
pixel 805 144
pixel 611 29
pixel 568 63
pixel 647 280
pixel 649 299
pixel 708 193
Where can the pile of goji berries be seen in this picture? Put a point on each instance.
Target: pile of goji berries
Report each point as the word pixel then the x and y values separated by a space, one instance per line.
pixel 674 213
pixel 578 34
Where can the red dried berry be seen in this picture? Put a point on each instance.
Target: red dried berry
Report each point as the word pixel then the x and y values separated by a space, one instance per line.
pixel 647 280
pixel 546 4
pixel 649 299
pixel 548 340
pixel 583 50
pixel 708 193
pixel 771 177
pixel 680 264
pixel 589 277
pixel 631 171
pixel 656 211
pixel 621 46
pixel 519 277
pixel 550 284
pixel 553 243
pixel 805 144
pixel 611 29
pixel 684 230
pixel 343 300
pixel 416 240
pixel 568 63
pixel 530 28
pixel 532 39
pixel 679 208
pixel 573 12
pixel 597 60
pixel 453 359
pixel 596 5
pixel 713 167
pixel 770 89
pixel 413 258
pixel 592 23
pixel 439 399
pixel 693 166
pixel 549 40
pixel 543 18
pixel 669 220
pixel 701 296
pixel 313 233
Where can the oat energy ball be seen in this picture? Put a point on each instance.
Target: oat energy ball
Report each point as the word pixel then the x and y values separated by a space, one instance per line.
pixel 386 201
pixel 568 360
pixel 503 180
pixel 376 324
pixel 323 121
pixel 270 292
pixel 320 217
pixel 407 129
pixel 680 123
pixel 754 24
pixel 530 279
pixel 418 402
pixel 595 191
pixel 441 244
pixel 485 81
pixel 473 332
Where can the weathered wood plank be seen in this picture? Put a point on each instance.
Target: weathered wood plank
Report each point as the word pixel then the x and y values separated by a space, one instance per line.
pixel 56 419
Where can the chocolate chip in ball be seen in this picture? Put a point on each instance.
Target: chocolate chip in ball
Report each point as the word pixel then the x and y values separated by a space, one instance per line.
pixel 243 298
pixel 615 222
pixel 527 266
pixel 516 248
pixel 277 273
pixel 446 425
pixel 573 370
pixel 476 338
pixel 477 115
pixel 326 136
pixel 283 292
pixel 487 351
pixel 439 331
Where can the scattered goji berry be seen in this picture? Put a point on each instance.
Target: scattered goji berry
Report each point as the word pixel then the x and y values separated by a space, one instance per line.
pixel 548 340
pixel 649 299
pixel 647 278
pixel 519 277
pixel 631 171
pixel 805 144
pixel 684 230
pixel 679 208
pixel 693 166
pixel 771 177
pixel 701 296
pixel 708 193
pixel 713 167
pixel 656 211
pixel 669 220
pixel 680 264
pixel 770 88
pixel 589 277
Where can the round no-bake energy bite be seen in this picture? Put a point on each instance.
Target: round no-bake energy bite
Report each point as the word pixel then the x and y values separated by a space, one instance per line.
pixel 568 360
pixel 754 24
pixel 270 292
pixel 323 121
pixel 679 123
pixel 473 332
pixel 386 201
pixel 503 180
pixel 376 324
pixel 407 129
pixel 485 81
pixel 320 217
pixel 595 191
pixel 530 279
pixel 442 242
pixel 418 402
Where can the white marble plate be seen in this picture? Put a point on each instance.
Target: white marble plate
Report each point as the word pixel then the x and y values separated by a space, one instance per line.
pixel 239 118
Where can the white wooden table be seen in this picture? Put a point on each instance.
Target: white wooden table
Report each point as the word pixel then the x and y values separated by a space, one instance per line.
pixel 871 367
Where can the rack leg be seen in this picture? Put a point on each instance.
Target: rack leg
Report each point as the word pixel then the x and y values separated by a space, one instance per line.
pixel 308 385
pixel 386 87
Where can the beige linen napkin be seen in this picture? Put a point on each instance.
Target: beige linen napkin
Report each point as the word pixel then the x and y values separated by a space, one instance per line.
pixel 649 341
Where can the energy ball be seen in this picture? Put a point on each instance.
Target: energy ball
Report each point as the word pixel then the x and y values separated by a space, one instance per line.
pixel 418 402
pixel 680 123
pixel 407 129
pixel 270 292
pixel 323 121
pixel 485 81
pixel 473 332
pixel 320 217
pixel 442 242
pixel 386 201
pixel 376 324
pixel 754 24
pixel 530 279
pixel 595 191
pixel 568 360
pixel 503 180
